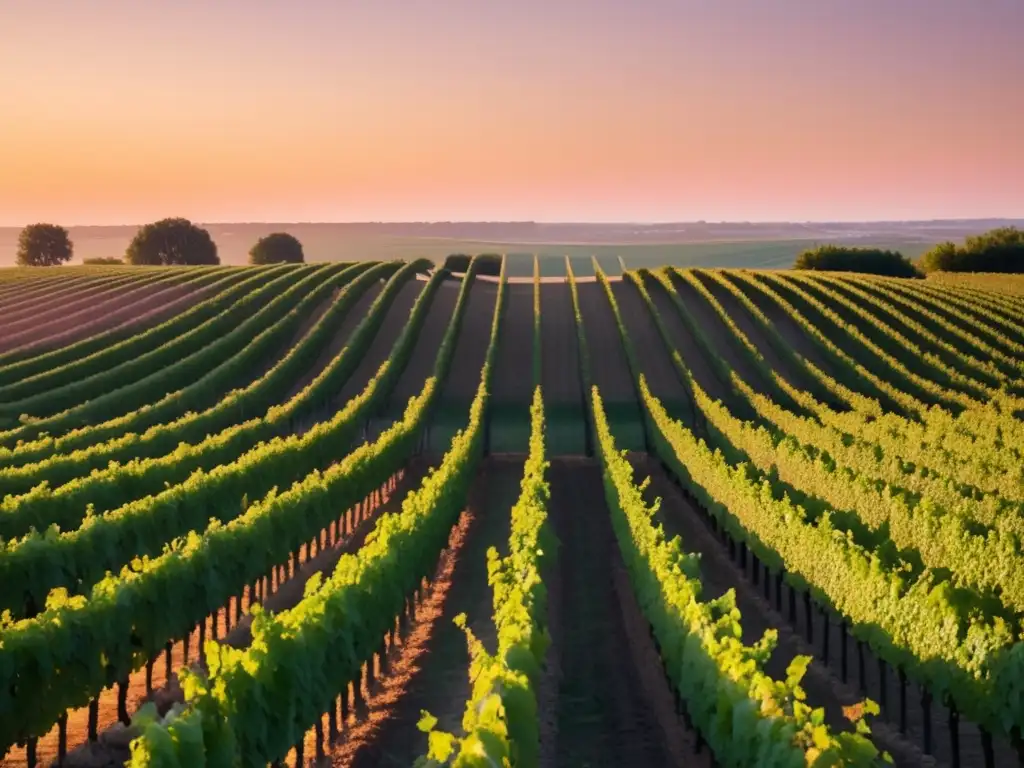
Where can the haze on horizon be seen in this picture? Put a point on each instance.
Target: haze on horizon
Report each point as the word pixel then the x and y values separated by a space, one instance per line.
pixel 114 112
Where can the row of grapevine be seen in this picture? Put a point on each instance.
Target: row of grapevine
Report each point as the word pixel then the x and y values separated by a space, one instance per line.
pixel 137 382
pixel 972 533
pixel 746 717
pixel 1001 328
pixel 954 349
pixel 501 723
pixel 79 645
pixel 45 559
pixel 881 326
pixel 920 627
pixel 945 329
pixel 38 314
pixel 280 298
pixel 815 379
pixel 247 711
pixel 20 315
pixel 933 427
pixel 260 395
pixel 886 458
pixel 86 357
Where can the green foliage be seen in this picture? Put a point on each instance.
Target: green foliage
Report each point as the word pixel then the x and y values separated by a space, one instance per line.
pixel 845 258
pixel 501 718
pixel 103 260
pixel 96 391
pixel 457 262
pixel 172 241
pixel 43 245
pixel 486 263
pixel 999 250
pixel 277 248
pixel 16 367
pixel 257 703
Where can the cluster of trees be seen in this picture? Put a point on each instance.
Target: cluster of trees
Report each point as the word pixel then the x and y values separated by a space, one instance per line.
pixel 174 241
pixel 999 250
pixel 843 258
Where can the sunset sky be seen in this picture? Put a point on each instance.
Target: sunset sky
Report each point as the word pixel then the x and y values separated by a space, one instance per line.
pixel 118 111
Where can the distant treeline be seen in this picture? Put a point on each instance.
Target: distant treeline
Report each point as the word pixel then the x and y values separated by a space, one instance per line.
pixel 1000 250
pixel 842 258
pixel 174 241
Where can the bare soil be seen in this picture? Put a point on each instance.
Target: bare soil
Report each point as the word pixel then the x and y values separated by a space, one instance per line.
pixel 559 347
pixel 85 305
pixel 143 309
pixel 608 362
pixel 614 706
pixel 434 670
pixel 560 372
pixel 43 303
pixel 513 369
pixel 610 367
pixel 463 379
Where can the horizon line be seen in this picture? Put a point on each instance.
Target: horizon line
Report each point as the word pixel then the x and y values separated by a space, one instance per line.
pixel 553 222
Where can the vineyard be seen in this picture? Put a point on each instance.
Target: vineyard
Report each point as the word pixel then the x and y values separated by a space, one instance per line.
pixel 383 514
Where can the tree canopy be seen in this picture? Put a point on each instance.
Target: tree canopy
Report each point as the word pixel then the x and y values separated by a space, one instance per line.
pixel 44 245
pixel 999 250
pixel 277 248
pixel 172 241
pixel 843 258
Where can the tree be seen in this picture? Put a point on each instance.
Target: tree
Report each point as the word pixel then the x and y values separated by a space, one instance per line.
pixel 103 260
pixel 172 241
pixel 44 245
pixel 277 248
pixel 999 250
pixel 842 258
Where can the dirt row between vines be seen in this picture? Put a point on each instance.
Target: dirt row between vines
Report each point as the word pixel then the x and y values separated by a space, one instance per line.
pixel 793 374
pixel 653 356
pixel 513 369
pixel 83 306
pixel 429 669
pixel 685 343
pixel 613 705
pixel 43 304
pixel 145 308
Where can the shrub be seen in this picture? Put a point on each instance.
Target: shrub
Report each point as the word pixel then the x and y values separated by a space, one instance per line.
pixel 842 258
pixel 277 248
pixel 103 260
pixel 999 250
pixel 172 241
pixel 457 262
pixel 44 245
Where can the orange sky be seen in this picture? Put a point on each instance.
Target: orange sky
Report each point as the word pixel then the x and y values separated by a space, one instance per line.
pixel 120 112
